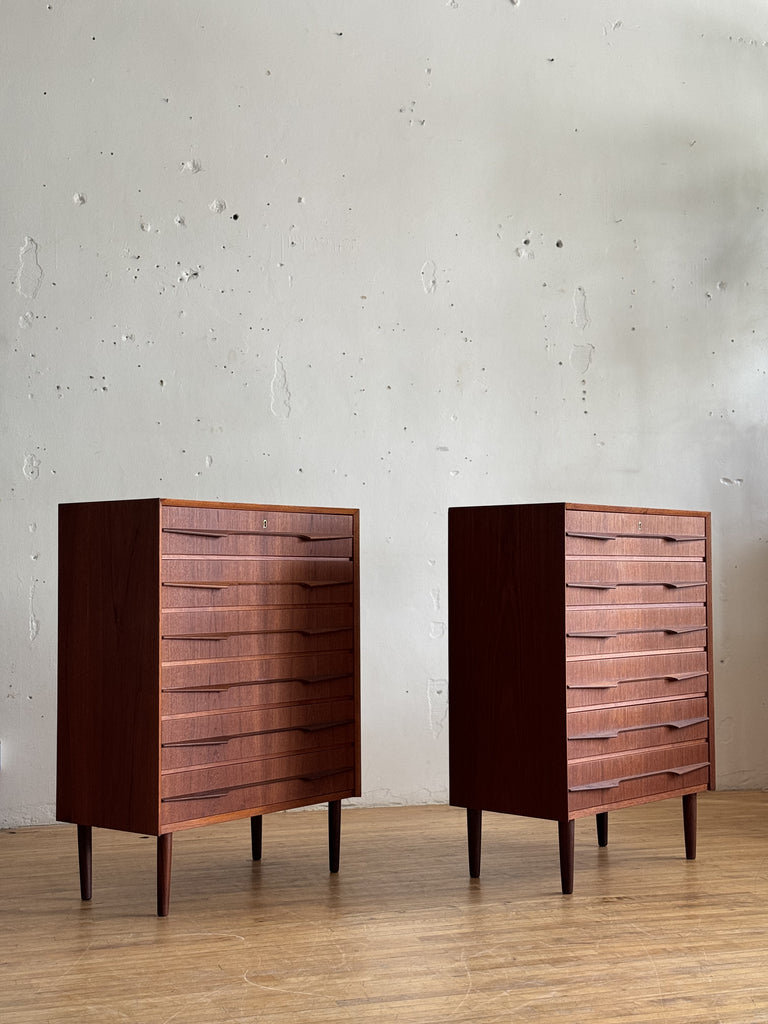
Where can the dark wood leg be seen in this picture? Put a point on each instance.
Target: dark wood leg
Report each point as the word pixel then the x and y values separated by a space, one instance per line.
pixel 84 848
pixel 602 828
pixel 689 824
pixel 164 850
pixel 474 840
pixel 566 833
pixel 334 834
pixel 256 836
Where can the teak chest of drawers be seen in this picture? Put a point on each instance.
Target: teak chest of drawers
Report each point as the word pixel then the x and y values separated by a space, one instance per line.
pixel 580 664
pixel 208 668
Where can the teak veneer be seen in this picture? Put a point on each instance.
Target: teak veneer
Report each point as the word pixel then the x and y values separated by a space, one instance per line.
pixel 208 668
pixel 580 663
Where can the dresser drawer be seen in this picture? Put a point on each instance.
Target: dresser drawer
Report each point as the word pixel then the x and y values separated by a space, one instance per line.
pixel 237 736
pixel 600 581
pixel 297 687
pixel 255 644
pixel 634 726
pixel 592 632
pixel 606 681
pixel 622 533
pixel 260 798
pixel 239 784
pixel 606 780
pixel 217 574
pixel 243 532
pixel 191 623
pixel 307 668
pixel 210 595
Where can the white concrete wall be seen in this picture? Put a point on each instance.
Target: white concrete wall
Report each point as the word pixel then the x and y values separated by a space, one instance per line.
pixel 398 255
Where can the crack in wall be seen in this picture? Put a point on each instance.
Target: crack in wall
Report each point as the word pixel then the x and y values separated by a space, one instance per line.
pixel 280 403
pixel 30 275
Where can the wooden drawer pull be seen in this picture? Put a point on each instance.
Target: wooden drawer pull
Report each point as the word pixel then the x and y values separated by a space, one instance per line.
pixel 223 687
pixel 217 794
pixel 319 726
pixel 610 734
pixel 252 632
pixel 221 534
pixel 682 677
pixel 598 585
pixel 599 634
pixel 222 741
pixel 306 584
pixel 673 538
pixel 615 783
pixel 201 586
pixel 324 774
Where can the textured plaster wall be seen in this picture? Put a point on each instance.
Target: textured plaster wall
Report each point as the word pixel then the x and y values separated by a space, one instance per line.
pixel 400 256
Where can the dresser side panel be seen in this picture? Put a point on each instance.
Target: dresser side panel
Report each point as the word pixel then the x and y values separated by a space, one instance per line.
pixel 507 659
pixel 108 672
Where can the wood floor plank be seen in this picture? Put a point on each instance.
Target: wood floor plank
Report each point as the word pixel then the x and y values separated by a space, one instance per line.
pixel 402 934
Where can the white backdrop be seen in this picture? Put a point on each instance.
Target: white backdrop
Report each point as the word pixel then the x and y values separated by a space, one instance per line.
pixel 395 256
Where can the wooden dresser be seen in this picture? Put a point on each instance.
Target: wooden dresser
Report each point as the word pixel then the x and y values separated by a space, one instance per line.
pixel 580 664
pixel 208 668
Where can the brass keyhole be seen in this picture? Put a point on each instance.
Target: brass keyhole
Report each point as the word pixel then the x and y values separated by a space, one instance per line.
pixel 264 524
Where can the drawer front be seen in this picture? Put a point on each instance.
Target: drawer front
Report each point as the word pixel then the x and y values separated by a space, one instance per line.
pixel 242 774
pixel 244 735
pixel 635 726
pixel 238 785
pixel 594 632
pixel 601 581
pixel 261 797
pixel 204 688
pixel 623 533
pixel 648 773
pixel 249 645
pixel 230 594
pixel 607 681
pixel 307 575
pixel 221 623
pixel 201 532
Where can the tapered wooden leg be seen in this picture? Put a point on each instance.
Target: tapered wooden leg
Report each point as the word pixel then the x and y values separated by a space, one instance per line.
pixel 334 834
pixel 474 840
pixel 566 834
pixel 84 848
pixel 164 850
pixel 256 821
pixel 602 828
pixel 689 824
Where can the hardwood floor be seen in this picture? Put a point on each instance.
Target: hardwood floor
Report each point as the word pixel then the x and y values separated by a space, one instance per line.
pixel 402 934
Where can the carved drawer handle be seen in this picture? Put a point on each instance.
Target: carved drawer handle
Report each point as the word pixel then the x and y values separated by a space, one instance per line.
pixel 599 634
pixel 215 637
pixel 306 584
pixel 681 677
pixel 219 742
pixel 224 791
pixel 222 741
pixel 610 734
pixel 615 783
pixel 599 585
pixel 324 774
pixel 222 534
pixel 223 687
pixel 320 726
pixel 671 537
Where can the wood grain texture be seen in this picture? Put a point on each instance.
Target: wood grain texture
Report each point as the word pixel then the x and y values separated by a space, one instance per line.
pixel 401 934
pixel 580 661
pixel 108 750
pixel 208 665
